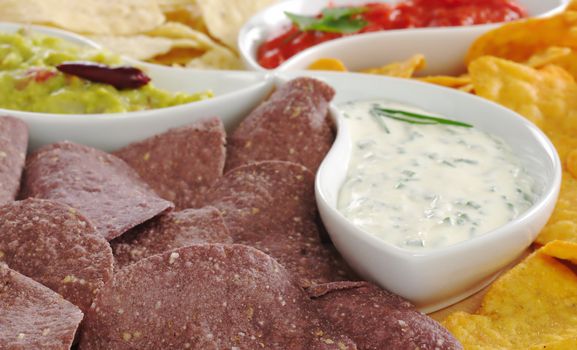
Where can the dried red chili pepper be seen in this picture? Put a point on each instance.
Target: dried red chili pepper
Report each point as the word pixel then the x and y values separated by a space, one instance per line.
pixel 119 77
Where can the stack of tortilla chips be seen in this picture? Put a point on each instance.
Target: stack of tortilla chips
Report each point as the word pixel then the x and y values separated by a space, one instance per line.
pixel 189 33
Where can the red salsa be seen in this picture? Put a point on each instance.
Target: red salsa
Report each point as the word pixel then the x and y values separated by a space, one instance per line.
pixel 383 16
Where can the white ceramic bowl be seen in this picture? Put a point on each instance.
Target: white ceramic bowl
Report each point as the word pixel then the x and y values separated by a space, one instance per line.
pixel 444 48
pixel 443 276
pixel 236 93
pixel 432 280
pixel 75 38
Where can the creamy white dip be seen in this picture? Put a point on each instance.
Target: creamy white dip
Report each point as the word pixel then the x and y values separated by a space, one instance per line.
pixel 428 186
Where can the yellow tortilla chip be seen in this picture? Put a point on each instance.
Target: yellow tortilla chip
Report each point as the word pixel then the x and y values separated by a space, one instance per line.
pixel 470 88
pixel 563 223
pixel 548 97
pixel 533 306
pixel 563 57
pixel 141 47
pixel 215 55
pixel 403 69
pixel 186 12
pixel 122 17
pixel 548 56
pixel 224 18
pixel 217 58
pixel 447 80
pixel 561 250
pixel 571 163
pixel 174 30
pixel 173 44
pixel 548 92
pixel 518 41
pixel 330 64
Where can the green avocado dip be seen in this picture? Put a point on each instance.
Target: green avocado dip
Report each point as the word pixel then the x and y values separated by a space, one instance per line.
pixel 29 80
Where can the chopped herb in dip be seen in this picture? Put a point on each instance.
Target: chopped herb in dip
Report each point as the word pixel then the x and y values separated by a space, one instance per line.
pixel 421 181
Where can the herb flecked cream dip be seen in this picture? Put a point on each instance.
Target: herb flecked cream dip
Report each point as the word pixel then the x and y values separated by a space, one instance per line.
pixel 420 181
pixel 30 80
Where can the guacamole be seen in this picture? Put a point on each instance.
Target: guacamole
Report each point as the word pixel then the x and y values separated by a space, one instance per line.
pixel 29 80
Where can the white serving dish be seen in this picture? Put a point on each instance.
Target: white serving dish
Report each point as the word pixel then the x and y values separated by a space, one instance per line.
pixel 444 48
pixel 432 280
pixel 236 93
pixel 447 275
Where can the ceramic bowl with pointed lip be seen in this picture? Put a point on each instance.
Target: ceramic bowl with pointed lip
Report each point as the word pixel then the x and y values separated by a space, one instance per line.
pixel 236 93
pixel 442 276
pixel 444 47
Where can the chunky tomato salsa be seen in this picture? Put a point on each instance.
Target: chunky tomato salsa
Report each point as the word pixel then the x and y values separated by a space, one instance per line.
pixel 335 22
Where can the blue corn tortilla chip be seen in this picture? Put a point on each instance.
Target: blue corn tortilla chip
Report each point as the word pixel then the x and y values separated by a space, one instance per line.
pixel 270 205
pixel 32 316
pixel 170 231
pixel 377 319
pixel 182 163
pixel 293 125
pixel 13 146
pixel 101 186
pixel 208 296
pixel 55 245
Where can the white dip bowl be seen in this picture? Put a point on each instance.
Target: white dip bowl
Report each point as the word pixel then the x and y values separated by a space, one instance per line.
pixel 236 93
pixel 441 276
pixel 444 48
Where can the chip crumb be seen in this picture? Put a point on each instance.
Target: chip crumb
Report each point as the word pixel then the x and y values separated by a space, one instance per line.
pixel 328 341
pixel 254 211
pixel 1 254
pixel 21 335
pixel 146 156
pixel 69 279
pixel 46 331
pixel 173 257
pixel 126 336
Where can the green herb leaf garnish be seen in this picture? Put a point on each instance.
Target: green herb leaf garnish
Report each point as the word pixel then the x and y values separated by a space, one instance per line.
pixel 416 118
pixel 333 20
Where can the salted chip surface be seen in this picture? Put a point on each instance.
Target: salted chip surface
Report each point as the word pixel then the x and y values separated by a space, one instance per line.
pixel 271 206
pixel 377 319
pixel 402 69
pixel 210 296
pixel 293 125
pixel 519 40
pixel 86 16
pixel 532 306
pixel 33 316
pixel 55 245
pixel 13 146
pixel 548 56
pixel 547 97
pixel 101 186
pixel 170 231
pixel 180 164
